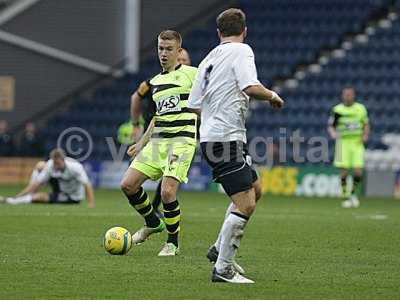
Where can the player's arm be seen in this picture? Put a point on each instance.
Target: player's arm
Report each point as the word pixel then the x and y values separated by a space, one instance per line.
pixel 136 148
pixel 260 92
pixel 137 96
pixel 35 183
pixel 195 97
pixel 90 194
pixel 32 187
pixel 245 71
pixel 135 115
pixel 195 110
pixel 332 123
pixel 135 108
pixel 367 131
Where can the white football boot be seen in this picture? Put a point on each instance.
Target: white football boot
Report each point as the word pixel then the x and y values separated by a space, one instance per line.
pixel 229 275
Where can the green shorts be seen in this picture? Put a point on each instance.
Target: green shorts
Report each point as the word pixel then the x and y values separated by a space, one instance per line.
pixel 349 153
pixel 168 158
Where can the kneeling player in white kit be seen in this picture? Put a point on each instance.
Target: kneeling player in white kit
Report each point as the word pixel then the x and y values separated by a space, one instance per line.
pixel 67 178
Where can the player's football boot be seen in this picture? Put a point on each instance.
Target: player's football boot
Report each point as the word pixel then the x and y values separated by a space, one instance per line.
pixel 143 233
pixel 169 249
pixel 212 256
pixel 229 275
pixel 354 201
pixel 347 204
pixel 351 202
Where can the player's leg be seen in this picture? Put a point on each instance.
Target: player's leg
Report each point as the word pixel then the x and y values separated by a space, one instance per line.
pixel 41 198
pixel 131 186
pixel 231 234
pixel 343 161
pixel 358 164
pixel 356 188
pixel 157 200
pixel 172 215
pixel 145 165
pixel 231 168
pixel 29 198
pixel 344 173
pixel 177 166
pixel 213 251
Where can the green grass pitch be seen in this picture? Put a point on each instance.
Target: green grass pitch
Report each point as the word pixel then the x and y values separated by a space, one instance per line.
pixel 294 248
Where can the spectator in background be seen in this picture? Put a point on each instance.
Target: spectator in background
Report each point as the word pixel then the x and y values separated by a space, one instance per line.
pixel 31 143
pixel 7 147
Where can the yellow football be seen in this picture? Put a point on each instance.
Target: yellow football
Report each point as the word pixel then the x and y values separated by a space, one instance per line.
pixel 117 241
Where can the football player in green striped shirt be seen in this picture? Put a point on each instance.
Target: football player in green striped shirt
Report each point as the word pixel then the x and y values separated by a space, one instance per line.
pixel 142 112
pixel 349 126
pixel 167 148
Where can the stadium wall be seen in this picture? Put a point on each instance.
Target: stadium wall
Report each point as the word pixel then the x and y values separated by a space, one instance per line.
pixel 91 29
pixel 184 16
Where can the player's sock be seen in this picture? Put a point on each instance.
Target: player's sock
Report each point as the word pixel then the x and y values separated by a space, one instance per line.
pixel 157 197
pixel 141 202
pixel 356 185
pixel 343 181
pixel 20 200
pixel 230 208
pixel 232 232
pixel 172 217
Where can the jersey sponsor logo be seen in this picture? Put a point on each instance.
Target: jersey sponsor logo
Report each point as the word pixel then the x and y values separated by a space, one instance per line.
pixel 169 104
pixel 353 126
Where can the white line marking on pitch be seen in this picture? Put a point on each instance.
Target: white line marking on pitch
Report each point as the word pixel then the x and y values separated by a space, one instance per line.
pixel 378 217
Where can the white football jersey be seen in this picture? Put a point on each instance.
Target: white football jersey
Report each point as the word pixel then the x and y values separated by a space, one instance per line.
pixel 71 180
pixel 218 91
pixel 34 176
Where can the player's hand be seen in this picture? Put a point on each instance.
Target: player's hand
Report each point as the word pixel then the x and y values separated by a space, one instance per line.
pixel 134 149
pixel 365 138
pixel 276 101
pixel 91 205
pixel 334 135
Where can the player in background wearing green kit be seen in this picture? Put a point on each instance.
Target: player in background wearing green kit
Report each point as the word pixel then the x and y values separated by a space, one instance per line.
pixel 167 148
pixel 142 112
pixel 349 126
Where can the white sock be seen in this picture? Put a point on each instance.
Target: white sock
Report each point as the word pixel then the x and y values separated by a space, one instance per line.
pixel 20 200
pixel 231 232
pixel 231 207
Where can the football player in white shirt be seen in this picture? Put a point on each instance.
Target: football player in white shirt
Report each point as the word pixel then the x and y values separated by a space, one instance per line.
pixel 226 80
pixel 67 178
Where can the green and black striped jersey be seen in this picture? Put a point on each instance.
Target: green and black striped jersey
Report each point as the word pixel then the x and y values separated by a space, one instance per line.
pixel 349 121
pixel 170 93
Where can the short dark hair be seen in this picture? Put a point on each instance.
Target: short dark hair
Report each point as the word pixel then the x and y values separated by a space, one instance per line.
pixel 171 35
pixel 57 154
pixel 231 22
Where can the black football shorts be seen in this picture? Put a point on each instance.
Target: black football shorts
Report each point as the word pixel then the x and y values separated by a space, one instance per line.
pixel 231 165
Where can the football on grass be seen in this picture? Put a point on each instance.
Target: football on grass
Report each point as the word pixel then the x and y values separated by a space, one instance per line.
pixel 117 241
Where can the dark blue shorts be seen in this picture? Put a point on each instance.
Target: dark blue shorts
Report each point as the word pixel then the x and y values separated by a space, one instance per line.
pixel 231 165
